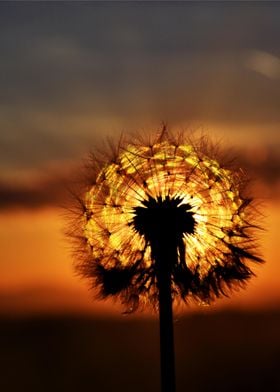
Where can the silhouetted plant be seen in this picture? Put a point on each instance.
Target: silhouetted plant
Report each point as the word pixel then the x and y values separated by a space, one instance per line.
pixel 161 221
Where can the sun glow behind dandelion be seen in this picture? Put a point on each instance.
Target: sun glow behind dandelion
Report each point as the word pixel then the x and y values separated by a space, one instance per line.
pixel 211 253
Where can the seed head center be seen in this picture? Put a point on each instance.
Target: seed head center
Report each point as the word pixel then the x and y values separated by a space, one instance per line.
pixel 163 219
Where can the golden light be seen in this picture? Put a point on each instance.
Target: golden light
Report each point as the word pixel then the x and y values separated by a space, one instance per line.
pixel 212 257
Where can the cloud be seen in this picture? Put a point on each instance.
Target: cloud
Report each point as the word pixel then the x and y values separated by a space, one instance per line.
pixel 43 187
pixel 26 196
pixel 264 63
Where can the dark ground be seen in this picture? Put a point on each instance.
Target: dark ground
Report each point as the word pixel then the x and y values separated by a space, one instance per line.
pixel 214 352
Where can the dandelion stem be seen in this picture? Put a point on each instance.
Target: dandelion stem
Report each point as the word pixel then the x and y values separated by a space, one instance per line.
pixel 164 261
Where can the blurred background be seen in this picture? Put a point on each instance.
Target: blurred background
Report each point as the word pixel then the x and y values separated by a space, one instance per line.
pixel 74 73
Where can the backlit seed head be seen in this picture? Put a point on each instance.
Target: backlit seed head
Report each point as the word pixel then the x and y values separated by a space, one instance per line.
pixel 168 190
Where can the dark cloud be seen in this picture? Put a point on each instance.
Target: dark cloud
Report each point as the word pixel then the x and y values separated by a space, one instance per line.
pixel 11 195
pixel 263 168
pixel 26 196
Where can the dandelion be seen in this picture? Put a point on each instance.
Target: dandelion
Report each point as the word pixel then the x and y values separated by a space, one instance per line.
pixel 163 221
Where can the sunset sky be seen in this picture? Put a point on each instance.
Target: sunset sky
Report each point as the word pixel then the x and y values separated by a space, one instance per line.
pixel 73 73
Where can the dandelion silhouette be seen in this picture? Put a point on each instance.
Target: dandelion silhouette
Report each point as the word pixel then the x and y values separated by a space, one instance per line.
pixel 163 221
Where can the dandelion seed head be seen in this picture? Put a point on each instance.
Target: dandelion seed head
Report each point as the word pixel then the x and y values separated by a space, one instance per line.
pixel 170 188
